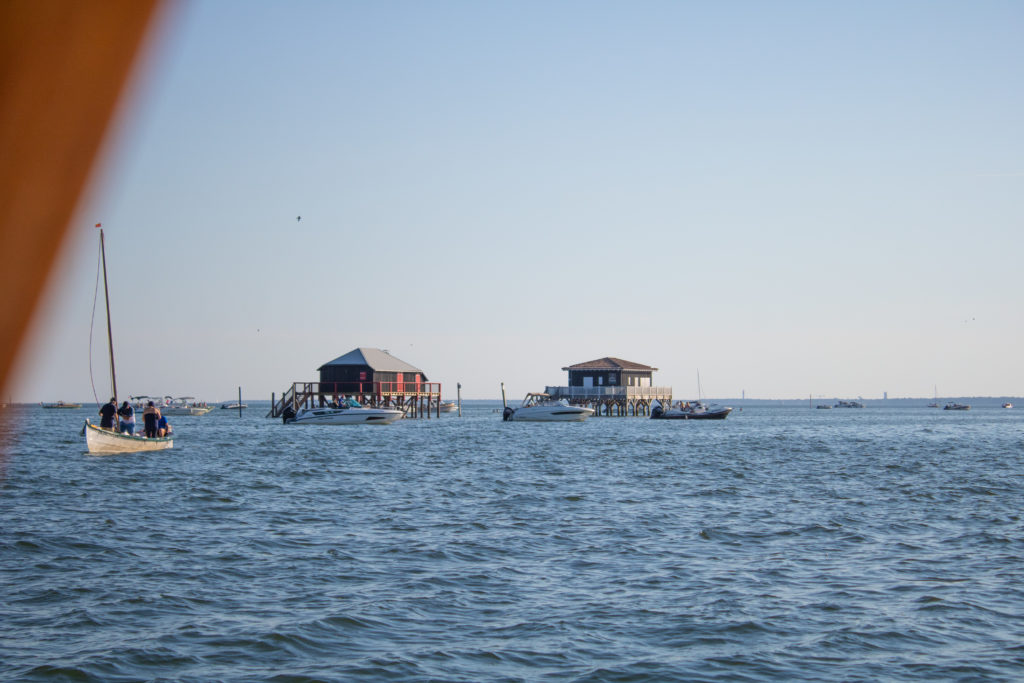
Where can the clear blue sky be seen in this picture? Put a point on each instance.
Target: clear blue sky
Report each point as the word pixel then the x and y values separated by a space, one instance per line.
pixel 791 198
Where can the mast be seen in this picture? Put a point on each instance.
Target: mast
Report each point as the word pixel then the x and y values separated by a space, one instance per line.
pixel 110 334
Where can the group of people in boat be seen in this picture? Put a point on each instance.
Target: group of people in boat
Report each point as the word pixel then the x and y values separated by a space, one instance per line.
pixel 155 425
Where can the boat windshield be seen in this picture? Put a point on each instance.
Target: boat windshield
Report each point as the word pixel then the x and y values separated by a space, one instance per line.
pixel 352 403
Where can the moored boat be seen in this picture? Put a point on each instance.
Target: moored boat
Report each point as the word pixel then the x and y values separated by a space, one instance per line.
pixel 690 410
pixel 350 412
pixel 233 406
pixel 183 405
pixel 1007 405
pixel 957 406
pixel 541 407
pixel 448 407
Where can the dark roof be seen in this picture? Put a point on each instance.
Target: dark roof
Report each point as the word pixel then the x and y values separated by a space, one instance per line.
pixel 609 363
pixel 376 359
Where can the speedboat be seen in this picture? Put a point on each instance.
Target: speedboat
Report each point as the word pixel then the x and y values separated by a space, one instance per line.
pixel 849 404
pixel 541 407
pixel 350 412
pixel 448 406
pixel 233 406
pixel 689 410
pixel 1007 405
pixel 182 406
pixel 957 406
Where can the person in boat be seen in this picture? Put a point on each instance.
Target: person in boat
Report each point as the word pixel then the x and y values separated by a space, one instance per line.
pixel 151 416
pixel 127 418
pixel 108 412
pixel 163 428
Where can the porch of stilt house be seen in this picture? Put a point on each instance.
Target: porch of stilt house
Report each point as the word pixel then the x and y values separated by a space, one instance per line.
pixel 415 399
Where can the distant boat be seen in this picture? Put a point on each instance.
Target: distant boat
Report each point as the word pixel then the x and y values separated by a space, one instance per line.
pixel 62 405
pixel 957 406
pixel 233 406
pixel 448 407
pixel 103 441
pixel 1007 405
pixel 849 404
pixel 183 405
pixel 823 406
pixel 935 403
pixel 690 410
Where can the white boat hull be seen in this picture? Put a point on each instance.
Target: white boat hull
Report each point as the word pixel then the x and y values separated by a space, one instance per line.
pixel 103 442
pixel 551 414
pixel 347 416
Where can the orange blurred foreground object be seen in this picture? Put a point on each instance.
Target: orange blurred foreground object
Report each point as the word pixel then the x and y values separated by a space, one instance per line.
pixel 63 65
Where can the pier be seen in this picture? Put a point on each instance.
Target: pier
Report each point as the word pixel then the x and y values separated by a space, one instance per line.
pixel 614 401
pixel 415 399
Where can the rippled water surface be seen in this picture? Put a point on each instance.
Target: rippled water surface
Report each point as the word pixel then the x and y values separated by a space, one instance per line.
pixel 782 543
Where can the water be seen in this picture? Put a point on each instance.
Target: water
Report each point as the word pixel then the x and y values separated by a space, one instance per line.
pixel 783 543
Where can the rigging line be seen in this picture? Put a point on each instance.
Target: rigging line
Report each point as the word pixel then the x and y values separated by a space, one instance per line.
pixel 92 321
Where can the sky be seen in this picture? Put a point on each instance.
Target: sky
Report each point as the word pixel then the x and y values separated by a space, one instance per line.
pixel 791 199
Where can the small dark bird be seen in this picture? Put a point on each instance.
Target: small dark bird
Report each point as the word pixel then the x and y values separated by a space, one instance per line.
pixel 298 218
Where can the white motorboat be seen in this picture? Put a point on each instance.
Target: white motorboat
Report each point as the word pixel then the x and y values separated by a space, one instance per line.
pixel 183 405
pixel 448 407
pixel 1007 405
pixel 956 406
pixel 540 407
pixel 233 406
pixel 104 442
pixel 350 412
pixel 689 410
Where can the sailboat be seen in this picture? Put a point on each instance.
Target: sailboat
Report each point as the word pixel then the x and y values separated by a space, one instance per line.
pixel 935 403
pixel 102 441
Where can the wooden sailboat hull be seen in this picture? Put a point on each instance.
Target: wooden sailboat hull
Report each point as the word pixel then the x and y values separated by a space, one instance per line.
pixel 103 442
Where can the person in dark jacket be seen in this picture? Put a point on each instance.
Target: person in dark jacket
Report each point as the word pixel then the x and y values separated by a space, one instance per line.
pixel 108 411
pixel 127 418
pixel 151 415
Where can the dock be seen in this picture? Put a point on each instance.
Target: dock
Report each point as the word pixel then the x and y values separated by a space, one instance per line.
pixel 615 401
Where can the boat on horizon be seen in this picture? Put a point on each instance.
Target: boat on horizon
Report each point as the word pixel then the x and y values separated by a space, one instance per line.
pixel 183 405
pixel 103 441
pixel 1007 405
pixel 61 405
pixel 690 410
pixel 541 407
pixel 232 406
pixel 957 406
pixel 849 404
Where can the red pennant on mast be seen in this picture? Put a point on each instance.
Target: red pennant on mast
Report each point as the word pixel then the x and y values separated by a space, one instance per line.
pixel 98 225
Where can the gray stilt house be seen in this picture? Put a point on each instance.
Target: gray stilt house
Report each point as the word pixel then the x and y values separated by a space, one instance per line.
pixel 371 376
pixel 612 387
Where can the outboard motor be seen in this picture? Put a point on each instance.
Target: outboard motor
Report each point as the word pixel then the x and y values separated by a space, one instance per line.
pixel 507 415
pixel 287 414
pixel 657 411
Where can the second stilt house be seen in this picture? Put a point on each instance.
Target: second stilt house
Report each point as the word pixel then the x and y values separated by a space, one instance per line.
pixel 612 387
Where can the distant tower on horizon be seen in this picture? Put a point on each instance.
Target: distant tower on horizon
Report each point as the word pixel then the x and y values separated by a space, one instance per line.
pixel 744 391
pixel 885 395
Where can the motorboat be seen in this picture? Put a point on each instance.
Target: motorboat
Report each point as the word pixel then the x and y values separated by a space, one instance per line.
pixel 183 405
pixel 541 407
pixel 105 442
pixel 956 406
pixel 823 406
pixel 232 406
pixel 349 412
pixel 448 406
pixel 1007 405
pixel 61 405
pixel 690 410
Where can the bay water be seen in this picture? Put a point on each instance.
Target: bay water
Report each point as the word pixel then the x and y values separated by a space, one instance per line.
pixel 783 543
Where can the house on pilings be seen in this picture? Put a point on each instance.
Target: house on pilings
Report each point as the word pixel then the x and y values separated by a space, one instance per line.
pixel 371 376
pixel 612 387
